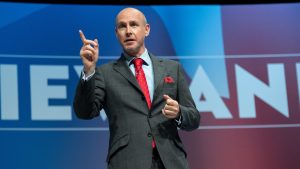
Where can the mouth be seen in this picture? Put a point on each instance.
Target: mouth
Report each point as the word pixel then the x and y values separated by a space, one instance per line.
pixel 129 40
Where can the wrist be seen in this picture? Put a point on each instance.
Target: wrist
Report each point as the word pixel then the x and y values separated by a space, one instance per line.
pixel 89 71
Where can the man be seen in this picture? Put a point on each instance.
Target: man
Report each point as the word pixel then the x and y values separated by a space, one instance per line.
pixel 145 99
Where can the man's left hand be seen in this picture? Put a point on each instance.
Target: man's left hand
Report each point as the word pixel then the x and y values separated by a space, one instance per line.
pixel 171 109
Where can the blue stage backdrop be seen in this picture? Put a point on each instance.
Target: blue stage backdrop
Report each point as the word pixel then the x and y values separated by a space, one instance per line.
pixel 242 63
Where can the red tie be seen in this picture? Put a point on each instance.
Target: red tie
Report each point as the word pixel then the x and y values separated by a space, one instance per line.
pixel 140 77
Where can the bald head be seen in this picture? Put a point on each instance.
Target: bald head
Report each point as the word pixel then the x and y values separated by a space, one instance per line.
pixel 131 30
pixel 131 13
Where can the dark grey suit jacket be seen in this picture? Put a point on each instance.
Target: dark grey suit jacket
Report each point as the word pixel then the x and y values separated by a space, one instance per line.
pixel 132 125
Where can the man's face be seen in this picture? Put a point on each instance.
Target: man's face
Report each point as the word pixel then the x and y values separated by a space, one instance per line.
pixel 131 29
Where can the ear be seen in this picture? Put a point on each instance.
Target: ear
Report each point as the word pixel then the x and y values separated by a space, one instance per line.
pixel 147 29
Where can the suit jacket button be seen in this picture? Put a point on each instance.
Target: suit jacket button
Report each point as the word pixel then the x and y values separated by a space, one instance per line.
pixel 149 116
pixel 149 135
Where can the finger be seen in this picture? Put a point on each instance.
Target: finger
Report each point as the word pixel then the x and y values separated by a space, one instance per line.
pixel 87 55
pixel 171 108
pixel 172 102
pixel 90 42
pixel 90 48
pixel 170 114
pixel 85 51
pixel 166 97
pixel 96 43
pixel 163 111
pixel 82 37
pixel 86 41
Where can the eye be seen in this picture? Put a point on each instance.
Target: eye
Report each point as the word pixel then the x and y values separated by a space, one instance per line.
pixel 134 24
pixel 121 26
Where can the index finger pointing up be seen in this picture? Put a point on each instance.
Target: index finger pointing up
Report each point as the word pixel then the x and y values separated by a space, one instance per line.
pixel 82 37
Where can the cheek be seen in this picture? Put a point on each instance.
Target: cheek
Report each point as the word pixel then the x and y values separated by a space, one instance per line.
pixel 120 35
pixel 140 35
pixel 121 39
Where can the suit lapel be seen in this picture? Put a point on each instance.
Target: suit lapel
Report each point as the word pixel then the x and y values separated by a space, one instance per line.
pixel 122 67
pixel 159 73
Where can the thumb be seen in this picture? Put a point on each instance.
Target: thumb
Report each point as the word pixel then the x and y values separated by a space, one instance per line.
pixel 166 97
pixel 96 41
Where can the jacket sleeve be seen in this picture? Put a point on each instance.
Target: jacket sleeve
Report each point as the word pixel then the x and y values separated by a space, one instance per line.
pixel 190 117
pixel 89 96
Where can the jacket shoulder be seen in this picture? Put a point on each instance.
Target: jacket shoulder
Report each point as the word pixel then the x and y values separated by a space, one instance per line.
pixel 170 63
pixel 107 65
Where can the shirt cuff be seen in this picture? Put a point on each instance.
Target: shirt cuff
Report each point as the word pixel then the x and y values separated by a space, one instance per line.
pixel 86 78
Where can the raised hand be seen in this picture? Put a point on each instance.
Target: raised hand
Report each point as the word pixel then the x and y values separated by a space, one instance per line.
pixel 171 109
pixel 89 53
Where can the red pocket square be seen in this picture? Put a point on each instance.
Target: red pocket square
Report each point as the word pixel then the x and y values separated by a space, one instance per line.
pixel 169 79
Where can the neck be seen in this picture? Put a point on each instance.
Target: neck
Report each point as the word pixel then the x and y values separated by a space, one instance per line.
pixel 135 54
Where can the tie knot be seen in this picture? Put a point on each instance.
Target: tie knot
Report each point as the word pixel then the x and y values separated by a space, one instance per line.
pixel 138 62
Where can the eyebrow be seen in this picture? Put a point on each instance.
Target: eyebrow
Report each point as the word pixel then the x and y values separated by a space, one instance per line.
pixel 130 22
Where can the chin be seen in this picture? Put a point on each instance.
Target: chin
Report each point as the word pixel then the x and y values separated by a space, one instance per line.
pixel 131 50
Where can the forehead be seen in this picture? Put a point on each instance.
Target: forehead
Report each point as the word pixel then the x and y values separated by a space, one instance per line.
pixel 129 15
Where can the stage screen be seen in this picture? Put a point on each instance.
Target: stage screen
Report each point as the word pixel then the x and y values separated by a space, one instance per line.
pixel 242 63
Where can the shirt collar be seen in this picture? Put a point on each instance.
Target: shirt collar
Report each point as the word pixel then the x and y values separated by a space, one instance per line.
pixel 145 56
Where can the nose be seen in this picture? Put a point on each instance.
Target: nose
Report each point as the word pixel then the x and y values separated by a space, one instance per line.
pixel 128 31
